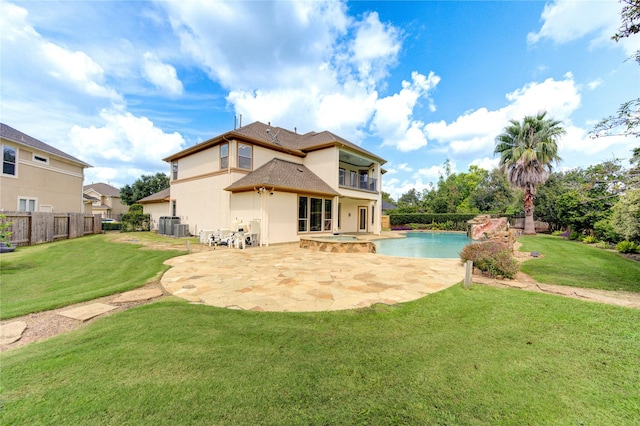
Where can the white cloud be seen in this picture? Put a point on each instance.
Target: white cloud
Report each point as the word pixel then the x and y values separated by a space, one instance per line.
pixel 568 20
pixel 47 66
pixel 374 48
pixel 394 121
pixel 318 67
pixel 395 187
pixel 486 163
pixel 125 141
pixel 594 84
pixel 475 131
pixel 163 76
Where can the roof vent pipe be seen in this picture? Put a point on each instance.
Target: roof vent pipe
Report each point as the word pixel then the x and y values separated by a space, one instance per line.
pixel 235 121
pixel 240 120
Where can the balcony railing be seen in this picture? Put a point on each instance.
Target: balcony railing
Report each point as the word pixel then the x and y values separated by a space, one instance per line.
pixel 361 182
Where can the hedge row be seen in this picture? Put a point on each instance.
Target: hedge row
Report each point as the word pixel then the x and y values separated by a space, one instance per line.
pixel 448 221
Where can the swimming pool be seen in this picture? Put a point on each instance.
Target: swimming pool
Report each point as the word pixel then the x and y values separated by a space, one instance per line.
pixel 439 245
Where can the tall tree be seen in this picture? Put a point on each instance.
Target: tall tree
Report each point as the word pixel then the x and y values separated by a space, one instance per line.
pixel 527 150
pixel 143 187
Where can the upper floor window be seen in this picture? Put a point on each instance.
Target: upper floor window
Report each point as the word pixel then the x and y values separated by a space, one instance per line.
pixel 341 174
pixel 224 156
pixel 175 170
pixel 9 160
pixel 245 155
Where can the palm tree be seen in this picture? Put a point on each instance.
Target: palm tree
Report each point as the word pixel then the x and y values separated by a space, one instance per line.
pixel 526 151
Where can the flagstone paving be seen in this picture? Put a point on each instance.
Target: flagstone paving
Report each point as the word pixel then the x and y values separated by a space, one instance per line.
pixel 288 278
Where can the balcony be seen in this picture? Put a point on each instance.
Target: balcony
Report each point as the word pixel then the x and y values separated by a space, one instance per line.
pixel 360 182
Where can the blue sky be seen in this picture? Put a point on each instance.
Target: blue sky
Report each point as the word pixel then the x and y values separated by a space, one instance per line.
pixel 121 85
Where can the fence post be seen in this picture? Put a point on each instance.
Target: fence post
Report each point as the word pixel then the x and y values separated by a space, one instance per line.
pixel 468 271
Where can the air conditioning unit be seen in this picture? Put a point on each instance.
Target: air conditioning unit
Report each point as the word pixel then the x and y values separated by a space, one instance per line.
pixel 181 230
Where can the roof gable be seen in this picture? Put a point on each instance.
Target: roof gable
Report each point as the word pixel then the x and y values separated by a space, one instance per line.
pixel 280 139
pixel 13 135
pixel 284 176
pixel 158 197
pixel 103 189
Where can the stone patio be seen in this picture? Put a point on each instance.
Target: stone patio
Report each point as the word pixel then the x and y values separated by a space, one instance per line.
pixel 290 279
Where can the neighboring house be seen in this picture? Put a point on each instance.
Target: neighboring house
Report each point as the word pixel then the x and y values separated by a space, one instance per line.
pixel 38 177
pixel 156 205
pixel 295 185
pixel 386 206
pixel 105 200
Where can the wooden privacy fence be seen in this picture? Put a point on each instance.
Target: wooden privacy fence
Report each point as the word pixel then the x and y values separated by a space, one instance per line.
pixel 29 228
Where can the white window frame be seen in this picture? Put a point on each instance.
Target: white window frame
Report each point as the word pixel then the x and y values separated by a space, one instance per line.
pixel 27 200
pixel 224 159
pixel 241 157
pixel 15 163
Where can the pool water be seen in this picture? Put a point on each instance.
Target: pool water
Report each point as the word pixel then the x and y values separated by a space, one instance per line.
pixel 439 245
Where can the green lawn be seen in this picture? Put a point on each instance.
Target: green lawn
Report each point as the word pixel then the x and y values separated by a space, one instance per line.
pixel 478 357
pixel 52 275
pixel 576 264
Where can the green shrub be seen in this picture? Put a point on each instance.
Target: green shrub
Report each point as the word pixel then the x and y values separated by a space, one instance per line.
pixel 626 247
pixel 605 231
pixel 135 222
pixel 590 239
pixel 136 208
pixel 491 257
pixel 575 236
pixel 557 233
pixel 5 232
pixel 603 245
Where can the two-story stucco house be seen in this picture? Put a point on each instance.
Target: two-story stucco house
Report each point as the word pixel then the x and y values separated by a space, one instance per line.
pixel 37 177
pixel 296 185
pixel 105 200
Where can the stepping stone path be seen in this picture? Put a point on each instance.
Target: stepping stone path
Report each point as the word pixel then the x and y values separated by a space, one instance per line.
pixel 86 312
pixel 12 332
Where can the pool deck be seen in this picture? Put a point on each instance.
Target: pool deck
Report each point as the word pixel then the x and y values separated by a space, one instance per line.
pixel 287 278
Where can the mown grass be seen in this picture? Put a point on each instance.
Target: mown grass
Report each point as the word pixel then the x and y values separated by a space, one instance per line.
pixel 576 264
pixel 484 356
pixel 49 276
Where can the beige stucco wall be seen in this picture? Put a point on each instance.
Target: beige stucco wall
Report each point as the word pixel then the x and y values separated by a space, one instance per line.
pixel 56 186
pixel 202 203
pixel 156 210
pixel 200 163
pixel 324 163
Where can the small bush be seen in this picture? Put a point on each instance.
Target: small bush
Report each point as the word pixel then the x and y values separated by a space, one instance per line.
pixel 491 257
pixel 590 239
pixel 603 245
pixel 575 236
pixel 626 247
pixel 557 233
pixel 135 222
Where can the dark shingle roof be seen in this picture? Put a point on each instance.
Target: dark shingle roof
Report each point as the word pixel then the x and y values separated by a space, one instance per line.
pixel 388 206
pixel 9 133
pixel 283 176
pixel 159 196
pixel 103 189
pixel 279 139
